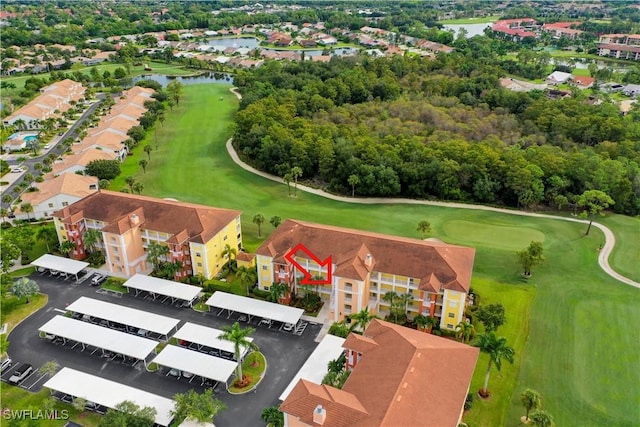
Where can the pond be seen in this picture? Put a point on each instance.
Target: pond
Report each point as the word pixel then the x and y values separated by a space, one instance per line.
pixel 206 77
pixel 472 29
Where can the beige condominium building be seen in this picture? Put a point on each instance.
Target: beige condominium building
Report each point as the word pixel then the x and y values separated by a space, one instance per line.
pixel 196 235
pixel 365 266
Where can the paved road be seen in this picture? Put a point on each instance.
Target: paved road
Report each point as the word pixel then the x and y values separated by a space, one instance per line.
pixel 285 353
pixel 56 148
pixel 603 258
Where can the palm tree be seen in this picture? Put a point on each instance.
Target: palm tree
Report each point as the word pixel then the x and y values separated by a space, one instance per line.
pixel 277 291
pixel 4 213
pixel 497 349
pixel 238 337
pixel 353 181
pixel 425 323
pixel 465 331
pixel 247 276
pixel 259 220
pixel 541 418
pixel 130 180
pixel 406 299
pixel 91 238
pixel 7 199
pixel 27 208
pixel 47 235
pixel 172 268
pixel 67 247
pixel 287 180
pixel 49 368
pixel 155 252
pixel 362 319
pixel 530 400
pixel 391 298
pixel 296 172
pixel 138 187
pixel 275 221
pixel 143 163
pixel 273 417
pixel 147 149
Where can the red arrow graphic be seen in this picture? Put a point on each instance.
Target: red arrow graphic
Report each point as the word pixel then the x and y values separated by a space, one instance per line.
pixel 307 280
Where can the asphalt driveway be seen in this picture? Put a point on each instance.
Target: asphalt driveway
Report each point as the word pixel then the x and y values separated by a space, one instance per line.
pixel 285 352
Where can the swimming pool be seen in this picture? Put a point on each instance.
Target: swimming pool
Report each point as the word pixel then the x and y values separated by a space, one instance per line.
pixel 28 138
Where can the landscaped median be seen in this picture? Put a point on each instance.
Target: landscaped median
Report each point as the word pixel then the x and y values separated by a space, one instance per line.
pixel 253 368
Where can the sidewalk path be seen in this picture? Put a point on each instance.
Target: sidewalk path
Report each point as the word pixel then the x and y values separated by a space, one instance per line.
pixel 603 257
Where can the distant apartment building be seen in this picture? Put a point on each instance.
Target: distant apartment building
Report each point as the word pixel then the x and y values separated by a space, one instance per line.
pixel 621 46
pixel 399 377
pixel 563 29
pixel 57 193
pixel 517 28
pixel 53 100
pixel 366 265
pixel 196 235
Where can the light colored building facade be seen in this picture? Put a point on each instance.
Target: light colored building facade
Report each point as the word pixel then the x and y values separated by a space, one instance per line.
pixel 53 100
pixel 399 377
pixel 621 46
pixel 365 266
pixel 57 193
pixel 196 235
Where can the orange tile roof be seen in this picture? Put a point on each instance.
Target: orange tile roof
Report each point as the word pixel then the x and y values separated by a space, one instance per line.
pixel 82 159
pixel 70 184
pixel 408 378
pixel 418 259
pixel 200 222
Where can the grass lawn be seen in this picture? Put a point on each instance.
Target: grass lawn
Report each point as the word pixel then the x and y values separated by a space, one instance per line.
pixel 624 258
pixel 253 367
pixel 14 310
pixel 480 20
pixel 21 272
pixel 192 165
pixel 17 398
pixel 517 299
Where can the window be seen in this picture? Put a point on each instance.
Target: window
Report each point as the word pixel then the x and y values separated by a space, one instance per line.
pixel 199 264
pixel 452 315
pixel 50 205
pixel 449 326
pixel 198 254
pixel 65 203
pixel 62 227
pixel 225 237
pixel 265 268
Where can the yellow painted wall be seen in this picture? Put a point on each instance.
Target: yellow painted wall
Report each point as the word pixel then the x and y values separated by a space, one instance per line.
pixel 452 305
pixel 60 230
pixel 265 271
pixel 211 252
pixel 195 249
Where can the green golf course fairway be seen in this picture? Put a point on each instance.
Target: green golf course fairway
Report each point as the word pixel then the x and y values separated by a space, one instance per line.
pixel 573 327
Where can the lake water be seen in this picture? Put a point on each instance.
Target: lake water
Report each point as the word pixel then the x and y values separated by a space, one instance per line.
pixel 472 29
pixel 206 77
pixel 252 43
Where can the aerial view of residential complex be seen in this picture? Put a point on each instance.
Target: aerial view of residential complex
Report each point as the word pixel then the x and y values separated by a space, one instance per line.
pixel 336 214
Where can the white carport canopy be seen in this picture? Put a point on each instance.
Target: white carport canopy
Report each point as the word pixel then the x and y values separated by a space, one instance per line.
pixel 206 336
pixel 196 363
pixel 315 368
pixel 97 336
pixel 109 393
pixel 156 286
pixel 254 307
pixel 58 263
pixel 162 325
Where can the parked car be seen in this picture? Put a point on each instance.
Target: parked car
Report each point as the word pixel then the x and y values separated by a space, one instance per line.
pixel 5 364
pixel 47 146
pixel 97 279
pixel 21 373
pixel 288 327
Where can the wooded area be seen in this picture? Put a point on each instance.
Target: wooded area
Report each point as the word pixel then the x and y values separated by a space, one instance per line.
pixel 440 128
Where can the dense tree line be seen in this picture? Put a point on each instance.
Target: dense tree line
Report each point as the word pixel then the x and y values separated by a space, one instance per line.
pixel 442 128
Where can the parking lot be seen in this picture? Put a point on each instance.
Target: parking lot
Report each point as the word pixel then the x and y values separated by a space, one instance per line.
pixel 285 350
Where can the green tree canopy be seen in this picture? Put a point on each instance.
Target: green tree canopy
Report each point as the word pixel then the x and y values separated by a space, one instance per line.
pixel 531 257
pixel 593 202
pixel 103 169
pixel 25 288
pixel 492 316
pixel 200 407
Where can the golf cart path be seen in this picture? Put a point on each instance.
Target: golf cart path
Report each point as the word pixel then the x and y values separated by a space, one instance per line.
pixel 603 257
